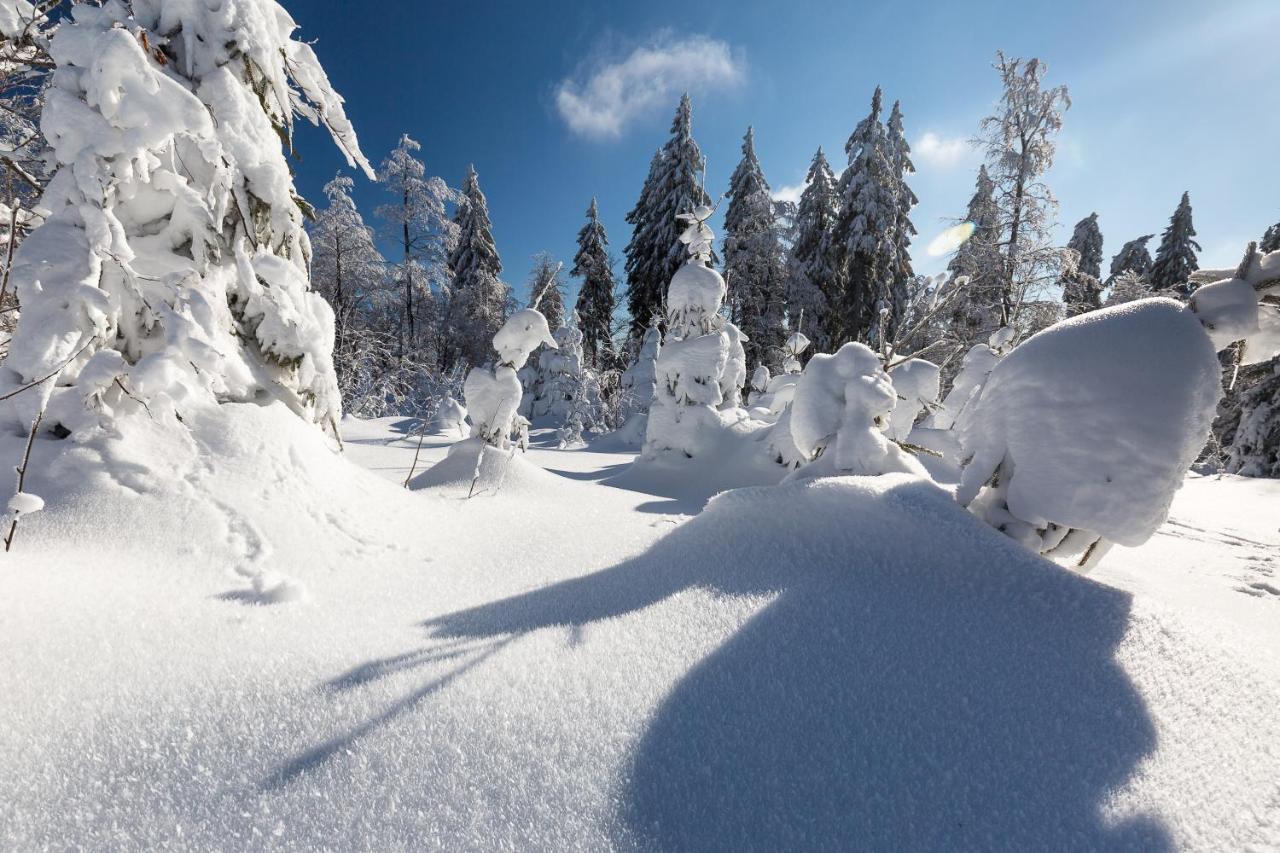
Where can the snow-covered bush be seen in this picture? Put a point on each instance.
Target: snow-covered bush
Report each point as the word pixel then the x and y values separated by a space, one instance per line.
pixel 568 394
pixel 916 383
pixel 842 405
pixel 640 380
pixel 775 392
pixel 1083 433
pixel 174 252
pixel 976 366
pixel 735 369
pixel 493 398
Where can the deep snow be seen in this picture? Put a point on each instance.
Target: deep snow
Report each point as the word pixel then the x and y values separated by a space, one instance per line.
pixel 561 663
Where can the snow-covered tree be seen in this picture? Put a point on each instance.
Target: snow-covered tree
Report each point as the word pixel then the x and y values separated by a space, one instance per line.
pixel 348 270
pixel 753 261
pixel 814 286
pixel 546 289
pixel 977 309
pixel 568 392
pixel 1133 257
pixel 418 223
pixel 1018 142
pixel 1082 271
pixel 640 379
pixel 1271 239
pixel 479 297
pixel 493 396
pixel 674 186
pixel 1176 257
pixel 1255 445
pixel 903 229
pixel 1128 286
pixel 173 262
pixel 861 241
pixel 596 296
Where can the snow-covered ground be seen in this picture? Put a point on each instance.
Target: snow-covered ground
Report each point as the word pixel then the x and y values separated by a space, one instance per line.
pixel 291 651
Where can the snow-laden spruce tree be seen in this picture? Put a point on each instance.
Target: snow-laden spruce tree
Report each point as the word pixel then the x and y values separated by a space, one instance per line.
pixel 417 222
pixel 903 229
pixel 753 263
pixel 568 396
pixel 596 296
pixel 546 289
pixel 493 396
pixel 814 286
pixel 861 241
pixel 1271 239
pixel 976 310
pixel 674 186
pixel 1133 257
pixel 684 421
pixel 1128 286
pixel 173 264
pixel 640 380
pixel 479 300
pixel 348 270
pixel 1082 271
pixel 1176 257
pixel 1018 144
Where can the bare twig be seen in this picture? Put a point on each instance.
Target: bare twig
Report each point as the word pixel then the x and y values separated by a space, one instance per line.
pixel 51 375
pixel 22 474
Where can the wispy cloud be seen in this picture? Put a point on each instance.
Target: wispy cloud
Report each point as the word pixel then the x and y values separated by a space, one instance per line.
pixel 940 152
pixel 790 192
pixel 602 102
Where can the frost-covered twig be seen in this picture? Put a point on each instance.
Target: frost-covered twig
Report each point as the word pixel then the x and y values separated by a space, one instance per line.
pixel 21 470
pixel 52 375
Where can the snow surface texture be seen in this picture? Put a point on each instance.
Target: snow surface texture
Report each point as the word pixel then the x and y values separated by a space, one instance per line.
pixel 173 259
pixel 849 661
pixel 1091 426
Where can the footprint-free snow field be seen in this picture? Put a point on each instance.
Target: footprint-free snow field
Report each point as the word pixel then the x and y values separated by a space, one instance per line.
pixel 293 651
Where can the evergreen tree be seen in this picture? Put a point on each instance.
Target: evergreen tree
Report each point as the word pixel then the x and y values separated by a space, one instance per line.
pixel 903 229
pixel 480 297
pixel 419 224
pixel 1082 277
pixel 1133 257
pixel 753 260
pixel 814 281
pixel 978 306
pixel 546 290
pixel 1176 257
pixel 348 270
pixel 1019 144
pixel 674 186
pixel 861 241
pixel 596 298
pixel 1271 239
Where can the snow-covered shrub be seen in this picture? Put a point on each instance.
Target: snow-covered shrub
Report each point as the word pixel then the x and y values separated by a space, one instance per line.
pixel 568 394
pixel 450 418
pixel 640 380
pixel 776 392
pixel 174 235
pixel 493 398
pixel 842 405
pixel 735 369
pixel 976 366
pixel 915 382
pixel 759 384
pixel 1083 433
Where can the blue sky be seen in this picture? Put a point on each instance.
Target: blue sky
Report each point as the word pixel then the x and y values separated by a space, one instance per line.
pixel 557 102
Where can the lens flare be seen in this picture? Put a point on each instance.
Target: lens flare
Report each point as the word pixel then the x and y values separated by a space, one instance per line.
pixel 950 240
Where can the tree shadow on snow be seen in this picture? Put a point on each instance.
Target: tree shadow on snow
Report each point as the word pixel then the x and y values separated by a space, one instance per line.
pixel 919 682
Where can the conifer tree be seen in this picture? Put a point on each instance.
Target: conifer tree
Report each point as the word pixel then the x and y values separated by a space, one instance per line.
pixel 1133 257
pixel 417 221
pixel 977 308
pixel 674 186
pixel 814 281
pixel 1176 257
pixel 596 297
pixel 903 229
pixel 1271 239
pixel 753 260
pixel 480 297
pixel 546 290
pixel 861 241
pixel 1082 277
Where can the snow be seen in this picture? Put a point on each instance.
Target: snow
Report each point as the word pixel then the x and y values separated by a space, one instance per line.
pixel 1095 421
pixel 24 503
pixel 792 668
pixel 916 383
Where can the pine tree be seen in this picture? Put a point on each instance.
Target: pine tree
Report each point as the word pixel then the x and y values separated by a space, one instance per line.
pixel 1271 239
pixel 861 241
pixel 1019 146
pixel 1176 257
pixel 903 229
pixel 480 297
pixel 418 222
pixel 674 186
pixel 1082 278
pixel 753 260
pixel 814 280
pixel 546 290
pixel 185 178
pixel 977 309
pixel 1133 257
pixel 348 270
pixel 596 298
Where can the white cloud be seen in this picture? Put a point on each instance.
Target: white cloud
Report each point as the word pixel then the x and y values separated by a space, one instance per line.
pixel 790 193
pixel 938 152
pixel 649 78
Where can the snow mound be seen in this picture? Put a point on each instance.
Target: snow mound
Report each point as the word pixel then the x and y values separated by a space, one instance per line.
pixel 1096 420
pixel 501 472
